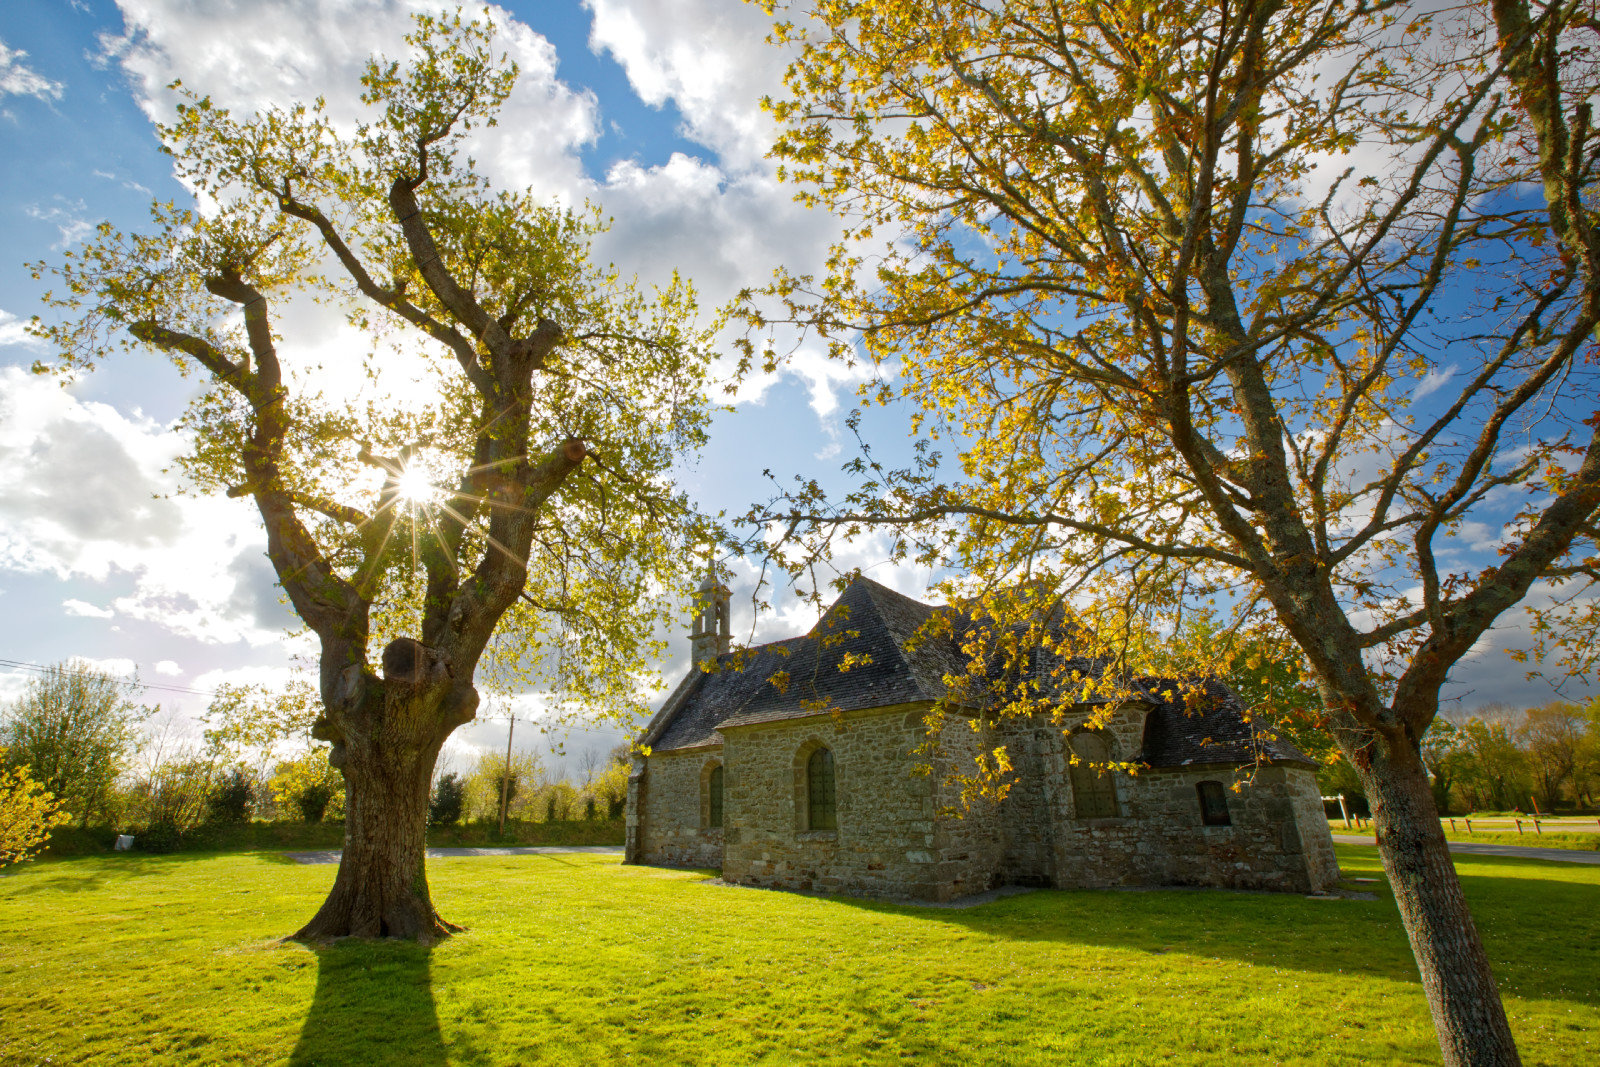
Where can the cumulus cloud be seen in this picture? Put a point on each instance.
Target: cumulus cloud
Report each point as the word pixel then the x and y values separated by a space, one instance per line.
pixel 255 54
pixel 708 57
pixel 84 496
pixel 86 610
pixel 169 668
pixel 18 79
pixel 14 331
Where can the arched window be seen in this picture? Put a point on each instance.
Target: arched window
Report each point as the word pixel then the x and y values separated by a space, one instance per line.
pixel 821 811
pixel 1094 794
pixel 715 798
pixel 1213 804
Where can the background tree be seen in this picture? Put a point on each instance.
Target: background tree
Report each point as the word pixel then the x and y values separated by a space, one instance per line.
pixel 1445 755
pixel 1553 737
pixel 76 729
pixel 1184 352
pixel 525 485
pixel 485 782
pixel 1495 770
pixel 448 794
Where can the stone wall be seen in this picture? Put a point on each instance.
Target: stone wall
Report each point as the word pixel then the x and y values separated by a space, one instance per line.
pixel 667 813
pixel 969 841
pixel 1160 839
pixel 1027 816
pixel 899 833
pixel 1275 840
pixel 886 842
pixel 1312 821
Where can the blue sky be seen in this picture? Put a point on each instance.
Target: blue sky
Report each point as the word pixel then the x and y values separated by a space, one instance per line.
pixel 649 110
pixel 647 107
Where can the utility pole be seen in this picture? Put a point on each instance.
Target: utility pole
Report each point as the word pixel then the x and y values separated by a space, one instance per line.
pixel 505 777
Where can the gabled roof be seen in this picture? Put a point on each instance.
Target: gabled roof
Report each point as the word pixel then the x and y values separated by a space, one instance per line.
pixel 890 664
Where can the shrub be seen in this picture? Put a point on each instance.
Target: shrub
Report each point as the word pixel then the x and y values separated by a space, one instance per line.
pixel 160 837
pixel 174 794
pixel 232 799
pixel 27 812
pixel 313 801
pixel 310 785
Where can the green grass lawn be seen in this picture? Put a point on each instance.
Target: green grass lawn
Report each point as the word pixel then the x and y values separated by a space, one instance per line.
pixel 1579 841
pixel 578 959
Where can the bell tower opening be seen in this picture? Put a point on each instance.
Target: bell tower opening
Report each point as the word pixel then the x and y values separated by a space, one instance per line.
pixel 711 634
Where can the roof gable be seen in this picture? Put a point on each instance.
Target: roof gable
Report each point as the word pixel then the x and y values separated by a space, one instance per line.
pixel 890 661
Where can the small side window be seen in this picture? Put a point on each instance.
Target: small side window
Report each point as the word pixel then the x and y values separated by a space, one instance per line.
pixel 716 799
pixel 822 814
pixel 1094 794
pixel 1213 804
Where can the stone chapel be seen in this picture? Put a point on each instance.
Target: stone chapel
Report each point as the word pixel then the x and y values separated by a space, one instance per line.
pixel 785 771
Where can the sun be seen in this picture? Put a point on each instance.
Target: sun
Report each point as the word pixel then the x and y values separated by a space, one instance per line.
pixel 412 484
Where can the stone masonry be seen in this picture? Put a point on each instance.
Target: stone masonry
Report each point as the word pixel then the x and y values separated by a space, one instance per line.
pixel 902 831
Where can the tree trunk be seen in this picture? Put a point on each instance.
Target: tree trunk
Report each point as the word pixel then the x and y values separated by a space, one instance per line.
pixel 382 886
pixel 1467 1013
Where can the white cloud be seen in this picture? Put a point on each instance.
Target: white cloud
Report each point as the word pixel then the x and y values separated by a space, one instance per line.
pixel 86 610
pixel 120 666
pixel 18 79
pixel 168 668
pixel 709 57
pixel 14 331
pixel 67 217
pixel 1436 378
pixel 254 54
pixel 126 183
pixel 84 495
pixel 270 678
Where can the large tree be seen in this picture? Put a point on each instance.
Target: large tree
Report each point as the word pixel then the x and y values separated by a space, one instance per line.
pixel 558 394
pixel 1284 305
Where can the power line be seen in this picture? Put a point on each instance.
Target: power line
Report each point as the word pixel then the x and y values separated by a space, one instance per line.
pixel 39 668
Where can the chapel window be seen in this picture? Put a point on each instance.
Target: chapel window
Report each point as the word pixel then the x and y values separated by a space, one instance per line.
pixel 821 810
pixel 1213 804
pixel 1094 794
pixel 714 790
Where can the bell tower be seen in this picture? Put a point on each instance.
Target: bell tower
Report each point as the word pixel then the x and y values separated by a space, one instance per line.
pixel 711 635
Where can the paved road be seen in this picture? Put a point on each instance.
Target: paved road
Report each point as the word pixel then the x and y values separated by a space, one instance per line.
pixel 1516 852
pixel 332 856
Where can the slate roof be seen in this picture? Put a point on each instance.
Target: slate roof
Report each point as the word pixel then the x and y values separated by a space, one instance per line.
pixel 876 626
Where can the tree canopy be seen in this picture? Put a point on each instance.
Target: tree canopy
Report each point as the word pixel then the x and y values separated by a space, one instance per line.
pixel 1277 307
pixel 498 490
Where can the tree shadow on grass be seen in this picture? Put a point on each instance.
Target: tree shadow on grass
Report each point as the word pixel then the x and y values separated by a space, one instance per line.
pixel 373 1005
pixel 1535 929
pixel 77 874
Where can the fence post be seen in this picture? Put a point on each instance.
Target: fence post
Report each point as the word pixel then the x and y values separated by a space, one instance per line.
pixel 1519 825
pixel 1468 822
